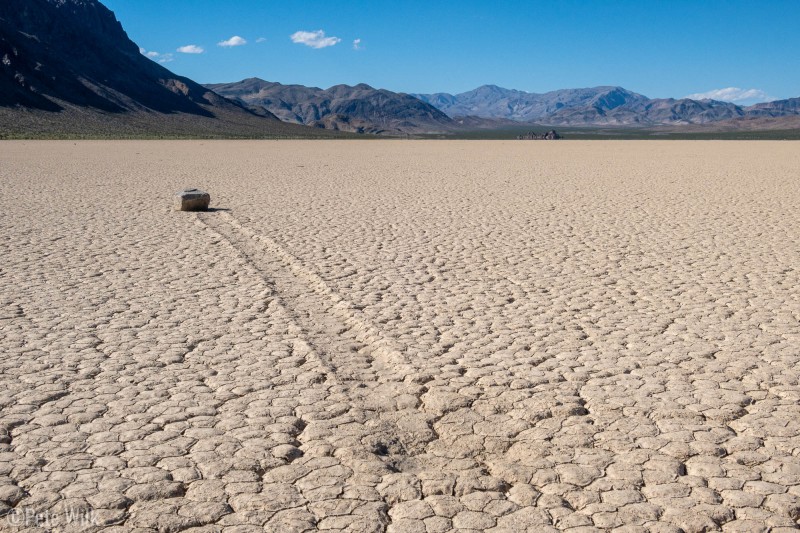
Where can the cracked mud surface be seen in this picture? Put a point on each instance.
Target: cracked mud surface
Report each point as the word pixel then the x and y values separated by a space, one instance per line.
pixel 400 336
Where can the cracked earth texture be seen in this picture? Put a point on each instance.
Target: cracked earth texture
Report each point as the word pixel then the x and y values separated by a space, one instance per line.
pixel 400 336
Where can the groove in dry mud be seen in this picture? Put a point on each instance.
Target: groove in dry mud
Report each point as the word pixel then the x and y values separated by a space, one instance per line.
pixel 357 353
pixel 349 347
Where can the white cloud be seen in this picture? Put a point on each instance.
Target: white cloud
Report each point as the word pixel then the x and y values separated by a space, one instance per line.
pixel 191 49
pixel 357 44
pixel 233 41
pixel 733 94
pixel 156 56
pixel 261 39
pixel 314 39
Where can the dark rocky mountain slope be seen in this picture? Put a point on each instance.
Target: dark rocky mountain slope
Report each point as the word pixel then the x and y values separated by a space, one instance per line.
pixel 67 66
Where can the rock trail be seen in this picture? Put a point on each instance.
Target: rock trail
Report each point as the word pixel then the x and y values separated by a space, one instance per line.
pixel 398 426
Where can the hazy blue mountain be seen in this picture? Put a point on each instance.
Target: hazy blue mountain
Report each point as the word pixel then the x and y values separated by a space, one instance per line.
pixel 648 112
pixel 778 108
pixel 598 106
pixel 491 101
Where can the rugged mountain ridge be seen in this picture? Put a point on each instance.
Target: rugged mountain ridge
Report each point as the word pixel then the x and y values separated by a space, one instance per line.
pixel 603 105
pixel 67 66
pixel 491 101
pixel 777 108
pixel 649 112
pixel 358 108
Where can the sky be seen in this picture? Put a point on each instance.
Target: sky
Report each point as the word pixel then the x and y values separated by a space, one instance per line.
pixel 735 50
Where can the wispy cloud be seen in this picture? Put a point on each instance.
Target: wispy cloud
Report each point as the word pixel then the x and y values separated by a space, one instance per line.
pixel 156 56
pixel 314 39
pixel 733 94
pixel 191 49
pixel 357 44
pixel 233 41
pixel 261 39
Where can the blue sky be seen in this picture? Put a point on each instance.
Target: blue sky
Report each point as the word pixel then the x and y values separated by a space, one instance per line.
pixel 658 48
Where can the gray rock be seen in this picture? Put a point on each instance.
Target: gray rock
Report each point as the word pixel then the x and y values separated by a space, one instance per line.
pixel 192 200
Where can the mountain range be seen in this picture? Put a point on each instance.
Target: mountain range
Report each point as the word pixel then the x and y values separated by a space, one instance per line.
pixel 67 67
pixel 598 106
pixel 358 108
pixel 364 109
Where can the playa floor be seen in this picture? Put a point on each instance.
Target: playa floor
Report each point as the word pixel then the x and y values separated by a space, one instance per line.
pixel 400 335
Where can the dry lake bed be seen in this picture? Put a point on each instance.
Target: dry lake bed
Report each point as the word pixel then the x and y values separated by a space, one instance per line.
pixel 400 335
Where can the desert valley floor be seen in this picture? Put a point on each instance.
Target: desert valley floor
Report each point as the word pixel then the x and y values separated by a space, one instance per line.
pixel 400 335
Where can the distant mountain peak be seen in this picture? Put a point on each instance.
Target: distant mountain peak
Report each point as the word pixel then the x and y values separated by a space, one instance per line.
pixel 491 87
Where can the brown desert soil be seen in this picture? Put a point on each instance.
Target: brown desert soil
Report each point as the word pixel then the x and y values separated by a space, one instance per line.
pixel 402 335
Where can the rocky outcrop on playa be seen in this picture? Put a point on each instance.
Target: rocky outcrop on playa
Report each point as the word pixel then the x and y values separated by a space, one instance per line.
pixel 551 135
